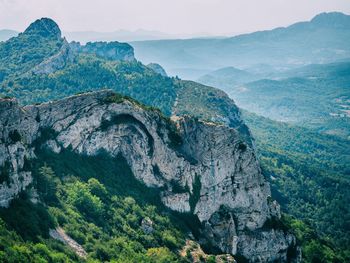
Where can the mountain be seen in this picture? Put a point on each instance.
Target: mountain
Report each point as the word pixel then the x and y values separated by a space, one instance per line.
pixel 191 177
pixel 199 167
pixel 324 39
pixel 6 34
pixel 40 41
pixel 114 51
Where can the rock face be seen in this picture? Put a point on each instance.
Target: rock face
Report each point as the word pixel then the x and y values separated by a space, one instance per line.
pixel 55 62
pixel 202 168
pixel 107 50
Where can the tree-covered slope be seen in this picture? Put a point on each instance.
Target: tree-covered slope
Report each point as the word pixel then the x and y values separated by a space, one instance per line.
pixel 101 206
pixel 39 41
pixel 309 174
pixel 88 73
pixel 91 67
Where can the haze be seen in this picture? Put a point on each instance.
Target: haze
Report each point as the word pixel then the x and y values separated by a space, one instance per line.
pixel 206 17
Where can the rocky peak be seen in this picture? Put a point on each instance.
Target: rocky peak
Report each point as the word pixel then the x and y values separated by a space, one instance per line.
pixel 44 27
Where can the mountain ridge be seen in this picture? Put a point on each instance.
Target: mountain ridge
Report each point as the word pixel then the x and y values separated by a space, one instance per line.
pixel 298 44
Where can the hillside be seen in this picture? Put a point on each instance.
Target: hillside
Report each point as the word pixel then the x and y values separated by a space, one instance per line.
pixel 323 39
pixel 315 96
pixel 309 175
pixel 90 67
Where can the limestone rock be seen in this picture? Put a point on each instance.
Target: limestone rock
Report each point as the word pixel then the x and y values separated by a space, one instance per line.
pixel 108 50
pixel 212 173
pixel 55 62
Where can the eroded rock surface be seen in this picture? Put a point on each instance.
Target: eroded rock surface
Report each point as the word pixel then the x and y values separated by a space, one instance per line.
pixel 202 168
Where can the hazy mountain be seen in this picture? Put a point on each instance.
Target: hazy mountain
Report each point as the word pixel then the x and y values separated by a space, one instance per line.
pixel 5 34
pixel 324 39
pixel 316 96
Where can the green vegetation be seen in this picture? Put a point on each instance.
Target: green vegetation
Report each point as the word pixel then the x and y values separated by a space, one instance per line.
pixel 314 96
pixel 314 248
pixel 20 54
pixel 31 221
pixel 90 73
pixel 13 249
pixel 100 206
pixel 209 104
pixel 309 175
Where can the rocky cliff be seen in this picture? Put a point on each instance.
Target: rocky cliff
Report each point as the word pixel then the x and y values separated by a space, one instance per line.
pixel 106 50
pixel 200 167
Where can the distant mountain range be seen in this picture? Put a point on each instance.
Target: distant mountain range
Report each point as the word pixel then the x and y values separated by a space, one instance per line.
pixel 324 39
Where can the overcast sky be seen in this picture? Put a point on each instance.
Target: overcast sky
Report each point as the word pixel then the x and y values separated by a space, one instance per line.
pixel 215 17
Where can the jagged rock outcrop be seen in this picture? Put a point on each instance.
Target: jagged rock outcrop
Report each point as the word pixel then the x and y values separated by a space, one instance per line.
pixel 60 235
pixel 201 168
pixel 13 153
pixel 106 50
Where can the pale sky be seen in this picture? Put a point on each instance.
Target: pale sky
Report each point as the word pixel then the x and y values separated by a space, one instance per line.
pixel 215 17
